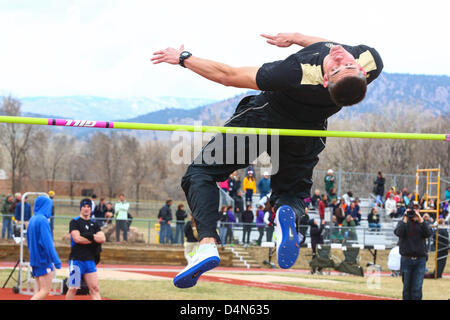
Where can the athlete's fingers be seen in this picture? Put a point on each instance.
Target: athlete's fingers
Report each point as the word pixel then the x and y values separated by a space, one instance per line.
pixel 267 36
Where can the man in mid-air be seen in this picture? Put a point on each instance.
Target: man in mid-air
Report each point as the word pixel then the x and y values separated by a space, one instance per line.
pixel 299 92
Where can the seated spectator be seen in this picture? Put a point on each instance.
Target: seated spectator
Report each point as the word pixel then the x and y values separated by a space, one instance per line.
pixel 264 185
pixel 339 212
pixel 391 191
pixel 333 194
pixel 374 219
pixel 348 198
pixel 335 231
pixel 348 228
pixel 247 220
pixel 401 209
pixel 390 206
pixel 447 194
pixel 354 211
pixel 315 199
pixel 344 204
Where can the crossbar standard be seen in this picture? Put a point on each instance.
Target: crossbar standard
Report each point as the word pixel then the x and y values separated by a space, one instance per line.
pixel 217 129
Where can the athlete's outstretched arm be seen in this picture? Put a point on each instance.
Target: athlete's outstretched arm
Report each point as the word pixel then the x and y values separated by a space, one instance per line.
pixel 243 77
pixel 285 39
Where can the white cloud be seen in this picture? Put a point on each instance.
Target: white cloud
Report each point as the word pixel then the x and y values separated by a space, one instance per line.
pixel 103 47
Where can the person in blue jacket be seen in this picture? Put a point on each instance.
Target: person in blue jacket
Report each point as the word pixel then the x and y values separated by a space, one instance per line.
pixel 26 213
pixel 43 255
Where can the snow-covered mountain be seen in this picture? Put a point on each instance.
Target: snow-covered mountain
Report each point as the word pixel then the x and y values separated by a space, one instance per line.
pixel 100 108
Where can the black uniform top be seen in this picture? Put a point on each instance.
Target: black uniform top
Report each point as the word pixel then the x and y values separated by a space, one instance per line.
pixel 87 230
pixel 294 86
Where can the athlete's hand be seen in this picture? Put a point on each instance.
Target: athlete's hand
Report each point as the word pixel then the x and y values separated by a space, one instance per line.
pixel 282 40
pixel 169 55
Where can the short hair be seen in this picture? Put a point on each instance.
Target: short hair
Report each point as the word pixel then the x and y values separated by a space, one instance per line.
pixel 348 90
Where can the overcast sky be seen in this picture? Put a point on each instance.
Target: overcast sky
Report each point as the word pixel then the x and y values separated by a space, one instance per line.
pixel 103 48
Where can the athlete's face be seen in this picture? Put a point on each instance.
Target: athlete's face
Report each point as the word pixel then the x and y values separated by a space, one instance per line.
pixel 86 211
pixel 339 64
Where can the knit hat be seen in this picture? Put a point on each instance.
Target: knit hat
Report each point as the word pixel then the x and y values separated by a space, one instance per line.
pixel 84 202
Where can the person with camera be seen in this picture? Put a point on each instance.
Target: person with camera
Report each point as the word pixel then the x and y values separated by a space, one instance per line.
pixel 412 231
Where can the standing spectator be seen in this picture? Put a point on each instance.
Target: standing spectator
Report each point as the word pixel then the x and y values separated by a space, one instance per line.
pixel 378 189
pixel 374 219
pixel 93 199
pixel 86 240
pixel 316 237
pixel 315 199
pixel 121 210
pixel 231 219
pixel 180 214
pixel 100 212
pixel 442 248
pixel 247 219
pixel 52 194
pixel 447 194
pixel 323 203
pixel 260 223
pixel 339 212
pixel 222 220
pixel 390 206
pixel 7 215
pixel 269 218
pixel 235 183
pixel 303 225
pixel 191 243
pixel 264 185
pixel 26 213
pixel 109 213
pixel 412 232
pixel 329 181
pixel 238 205
pixel 43 255
pixel 165 218
pixel 249 187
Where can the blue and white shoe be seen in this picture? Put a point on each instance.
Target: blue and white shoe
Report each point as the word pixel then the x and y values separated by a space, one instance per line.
pixel 288 240
pixel 205 258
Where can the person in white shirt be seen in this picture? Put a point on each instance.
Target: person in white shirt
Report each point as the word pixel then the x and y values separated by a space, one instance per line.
pixel 390 206
pixel 121 210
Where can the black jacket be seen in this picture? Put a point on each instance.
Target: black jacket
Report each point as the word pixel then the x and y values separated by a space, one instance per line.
pixel 371 218
pixel 181 215
pixel 412 237
pixel 316 234
pixel 165 213
pixel 378 189
pixel 247 216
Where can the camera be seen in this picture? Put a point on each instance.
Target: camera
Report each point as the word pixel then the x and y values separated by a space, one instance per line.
pixel 410 213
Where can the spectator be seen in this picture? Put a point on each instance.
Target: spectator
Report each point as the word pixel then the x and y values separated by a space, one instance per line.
pixel 374 219
pixel 238 205
pixel 43 255
pixel 222 220
pixel 401 208
pixel 342 201
pixel 442 248
pixel 249 187
pixel 333 204
pixel 165 218
pixel 315 199
pixel 348 228
pixel 180 215
pixel 100 211
pixel 354 211
pixel 234 183
pixel 339 212
pixel 260 223
pixel 406 198
pixel 378 189
pixel 316 237
pixel 391 191
pixel 52 194
pixel 336 235
pixel 231 219
pixel 447 194
pixel 323 203
pixel 332 194
pixel 269 218
pixel 93 199
pixel 264 185
pixel 329 181
pixel 412 232
pixel 426 217
pixel 26 213
pixel 121 209
pixel 7 215
pixel 247 219
pixel 109 213
pixel 390 206
pixel 191 244
pixel 303 226
pixel 348 198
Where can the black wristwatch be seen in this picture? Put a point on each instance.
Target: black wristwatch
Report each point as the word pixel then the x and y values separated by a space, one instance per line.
pixel 183 56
